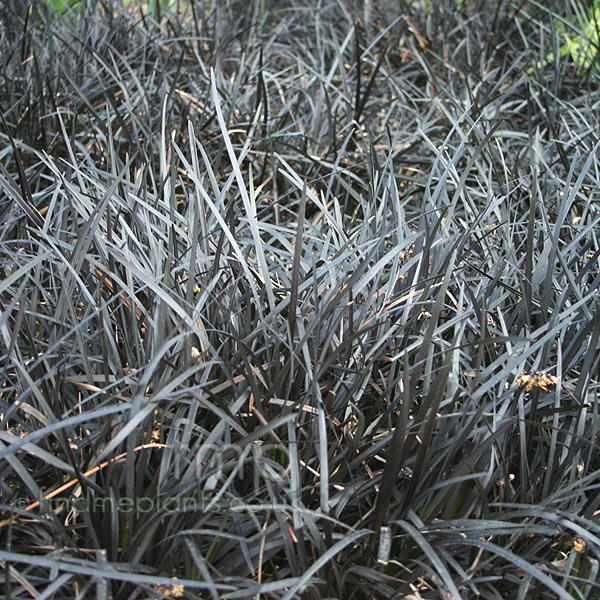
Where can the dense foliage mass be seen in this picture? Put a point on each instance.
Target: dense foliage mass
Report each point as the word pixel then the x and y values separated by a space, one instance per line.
pixel 299 299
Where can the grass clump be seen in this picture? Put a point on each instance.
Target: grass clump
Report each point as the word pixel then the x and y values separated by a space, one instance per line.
pixel 298 300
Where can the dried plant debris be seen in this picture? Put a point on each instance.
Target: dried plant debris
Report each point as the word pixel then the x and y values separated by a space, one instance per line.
pixel 536 380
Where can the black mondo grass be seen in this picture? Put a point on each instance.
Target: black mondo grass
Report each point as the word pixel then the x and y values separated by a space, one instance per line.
pixel 299 300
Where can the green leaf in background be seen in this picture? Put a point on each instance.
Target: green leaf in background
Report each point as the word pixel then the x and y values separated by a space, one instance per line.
pixel 61 6
pixel 582 48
